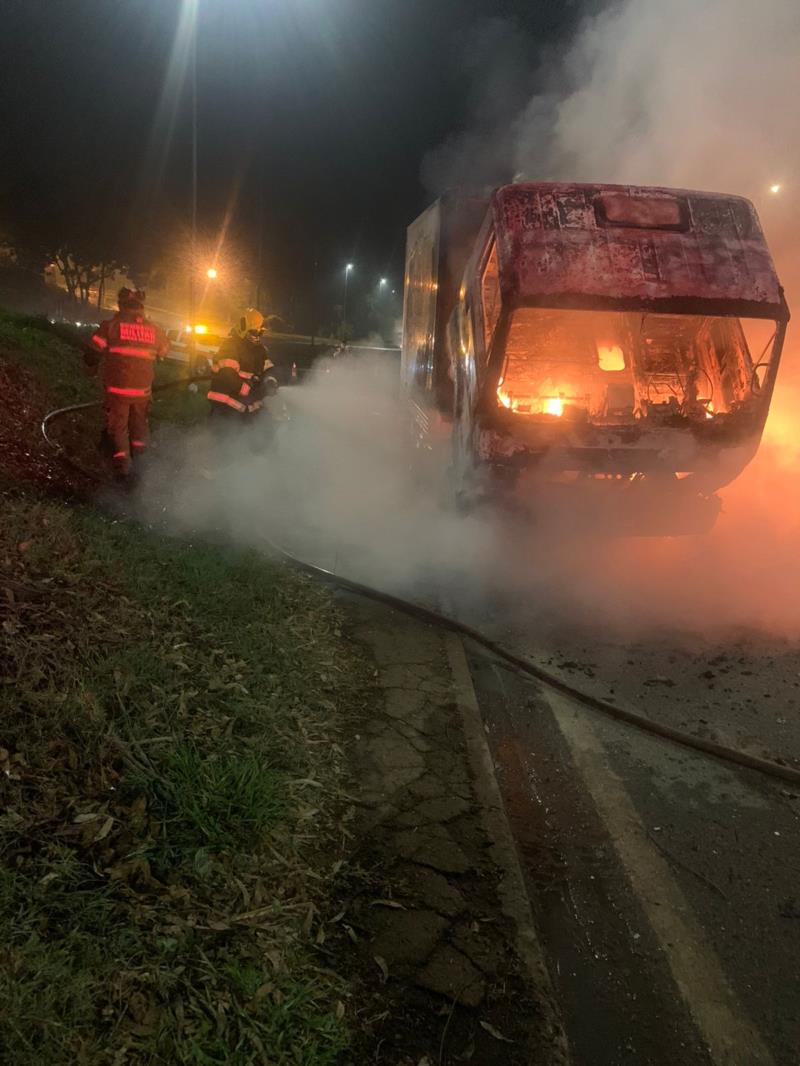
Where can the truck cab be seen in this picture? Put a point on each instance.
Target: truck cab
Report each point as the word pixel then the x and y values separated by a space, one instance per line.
pixel 593 333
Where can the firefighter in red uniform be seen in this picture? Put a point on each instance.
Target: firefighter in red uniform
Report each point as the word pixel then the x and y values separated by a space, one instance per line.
pixel 128 345
pixel 240 379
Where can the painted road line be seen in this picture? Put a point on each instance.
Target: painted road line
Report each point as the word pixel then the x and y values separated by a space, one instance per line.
pixel 731 1038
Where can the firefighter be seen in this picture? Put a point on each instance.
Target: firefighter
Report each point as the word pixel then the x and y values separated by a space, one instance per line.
pixel 240 379
pixel 128 345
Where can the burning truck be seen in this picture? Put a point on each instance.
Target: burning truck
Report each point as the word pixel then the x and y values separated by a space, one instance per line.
pixel 615 343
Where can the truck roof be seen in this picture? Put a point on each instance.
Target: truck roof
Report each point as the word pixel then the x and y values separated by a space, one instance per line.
pixel 633 247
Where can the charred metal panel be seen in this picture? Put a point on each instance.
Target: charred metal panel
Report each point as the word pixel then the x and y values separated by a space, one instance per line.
pixel 420 304
pixel 438 245
pixel 631 243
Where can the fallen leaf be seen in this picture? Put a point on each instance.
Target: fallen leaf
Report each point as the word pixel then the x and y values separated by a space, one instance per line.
pixel 382 966
pixel 490 1029
pixel 387 903
pixel 105 829
pixel 276 959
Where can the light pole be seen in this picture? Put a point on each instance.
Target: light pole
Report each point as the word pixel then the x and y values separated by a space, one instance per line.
pixel 193 250
pixel 348 268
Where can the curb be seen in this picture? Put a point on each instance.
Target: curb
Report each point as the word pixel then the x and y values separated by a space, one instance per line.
pixel 514 900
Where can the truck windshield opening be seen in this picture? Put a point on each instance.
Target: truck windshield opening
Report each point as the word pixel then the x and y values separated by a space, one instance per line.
pixel 612 367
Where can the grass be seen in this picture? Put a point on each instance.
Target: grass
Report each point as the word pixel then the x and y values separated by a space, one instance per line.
pixel 178 405
pixel 169 783
pixel 50 352
pixel 169 777
pixel 215 801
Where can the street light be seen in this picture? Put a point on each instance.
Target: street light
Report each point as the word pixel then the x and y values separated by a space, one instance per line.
pixel 211 273
pixel 348 268
pixel 775 188
pixel 383 283
pixel 192 14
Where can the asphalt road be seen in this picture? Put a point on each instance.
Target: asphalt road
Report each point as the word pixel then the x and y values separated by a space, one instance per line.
pixel 665 884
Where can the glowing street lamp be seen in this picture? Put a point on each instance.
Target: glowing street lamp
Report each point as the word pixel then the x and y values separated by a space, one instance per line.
pixel 775 188
pixel 347 271
pixel 383 283
pixel 211 273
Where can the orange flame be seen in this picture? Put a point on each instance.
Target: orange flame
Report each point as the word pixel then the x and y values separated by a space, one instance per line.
pixel 503 397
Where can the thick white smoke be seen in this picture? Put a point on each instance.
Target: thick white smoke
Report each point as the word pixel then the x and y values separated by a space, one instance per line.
pixel 684 94
pixel 325 473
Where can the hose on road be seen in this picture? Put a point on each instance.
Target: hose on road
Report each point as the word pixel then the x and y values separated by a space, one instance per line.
pixel 517 662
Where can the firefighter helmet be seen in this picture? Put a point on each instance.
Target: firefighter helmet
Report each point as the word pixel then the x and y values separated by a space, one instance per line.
pixel 130 299
pixel 251 321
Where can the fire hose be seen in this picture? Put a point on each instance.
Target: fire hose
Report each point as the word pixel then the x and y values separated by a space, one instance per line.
pixel 61 411
pixel 518 662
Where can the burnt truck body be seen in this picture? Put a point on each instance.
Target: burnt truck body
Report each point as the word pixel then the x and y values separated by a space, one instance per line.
pixel 575 334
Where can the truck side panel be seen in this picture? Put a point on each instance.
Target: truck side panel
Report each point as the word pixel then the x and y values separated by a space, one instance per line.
pixel 419 303
pixel 438 246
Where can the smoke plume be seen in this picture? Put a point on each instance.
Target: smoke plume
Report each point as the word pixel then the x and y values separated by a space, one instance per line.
pixel 682 94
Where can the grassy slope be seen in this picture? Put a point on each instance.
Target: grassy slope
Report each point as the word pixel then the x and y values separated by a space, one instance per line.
pixel 50 353
pixel 169 719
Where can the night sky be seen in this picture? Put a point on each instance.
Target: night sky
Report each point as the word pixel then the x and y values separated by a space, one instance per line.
pixel 317 113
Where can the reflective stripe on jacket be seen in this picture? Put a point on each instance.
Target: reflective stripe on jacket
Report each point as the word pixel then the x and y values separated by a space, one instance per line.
pixel 238 362
pixel 129 345
pixel 227 401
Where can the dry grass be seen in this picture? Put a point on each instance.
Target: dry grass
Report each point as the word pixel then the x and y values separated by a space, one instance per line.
pixel 170 786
